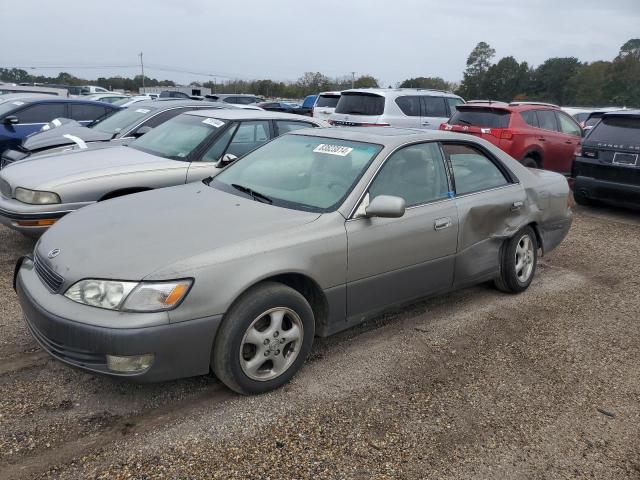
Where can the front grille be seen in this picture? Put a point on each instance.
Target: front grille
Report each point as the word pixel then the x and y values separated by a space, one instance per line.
pixel 610 173
pixel 51 279
pixel 5 188
pixel 74 355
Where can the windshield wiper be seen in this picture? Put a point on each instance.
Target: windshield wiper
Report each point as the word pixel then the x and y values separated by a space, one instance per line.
pixel 463 121
pixel 255 195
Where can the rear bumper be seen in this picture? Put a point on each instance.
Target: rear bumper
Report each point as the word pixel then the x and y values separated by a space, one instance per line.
pixel 554 232
pixel 615 193
pixel 180 349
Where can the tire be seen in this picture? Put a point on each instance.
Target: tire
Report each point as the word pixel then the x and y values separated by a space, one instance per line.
pixel 580 199
pixel 513 279
pixel 530 162
pixel 251 352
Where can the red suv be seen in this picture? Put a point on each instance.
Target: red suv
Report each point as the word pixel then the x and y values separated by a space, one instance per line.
pixel 540 135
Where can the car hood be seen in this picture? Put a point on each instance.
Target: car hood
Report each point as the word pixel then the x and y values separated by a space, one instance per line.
pixel 48 172
pixel 130 238
pixel 56 137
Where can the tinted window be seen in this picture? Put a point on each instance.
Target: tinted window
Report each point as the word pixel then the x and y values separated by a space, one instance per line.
pixel 329 101
pixel 415 173
pixel 472 170
pixel 249 135
pixel 360 104
pixel 593 119
pixel 581 117
pixel 85 112
pixel 230 100
pixel 410 105
pixel 567 125
pixel 162 117
pixel 453 102
pixel 309 101
pixel 620 130
pixel 42 113
pixel 244 100
pixel 434 107
pixel 285 126
pixel 547 119
pixel 216 151
pixel 481 117
pixel 530 118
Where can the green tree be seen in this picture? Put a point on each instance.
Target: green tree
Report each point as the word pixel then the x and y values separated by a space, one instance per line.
pixel 506 80
pixel 478 64
pixel 365 81
pixel 551 80
pixel 435 83
pixel 588 85
pixel 622 82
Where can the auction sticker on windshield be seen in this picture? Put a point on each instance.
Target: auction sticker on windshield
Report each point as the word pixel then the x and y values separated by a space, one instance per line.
pixel 333 150
pixel 214 122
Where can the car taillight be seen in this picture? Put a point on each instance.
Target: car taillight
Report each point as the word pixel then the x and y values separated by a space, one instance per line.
pixel 504 134
pixel 442 126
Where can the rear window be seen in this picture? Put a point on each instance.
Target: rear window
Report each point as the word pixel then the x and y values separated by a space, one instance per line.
pixel 481 117
pixel 593 119
pixel 360 104
pixel 329 101
pixel 617 130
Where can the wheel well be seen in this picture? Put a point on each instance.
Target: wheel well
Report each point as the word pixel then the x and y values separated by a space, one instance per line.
pixel 537 156
pixel 536 230
pixel 309 289
pixel 124 191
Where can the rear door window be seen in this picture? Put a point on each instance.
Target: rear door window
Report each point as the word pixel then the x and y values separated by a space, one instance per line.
pixel 328 101
pixel 481 117
pixel 249 135
pixel 547 120
pixel 162 117
pixel 360 104
pixel 452 103
pixel 410 105
pixel 473 171
pixel 42 113
pixel 285 126
pixel 433 107
pixel 86 112
pixel 530 118
pixel 623 131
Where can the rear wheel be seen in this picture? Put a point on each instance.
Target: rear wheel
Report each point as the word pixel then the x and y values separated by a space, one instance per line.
pixel 518 263
pixel 264 339
pixel 530 162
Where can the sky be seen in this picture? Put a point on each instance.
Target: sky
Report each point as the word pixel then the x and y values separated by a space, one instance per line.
pixel 282 39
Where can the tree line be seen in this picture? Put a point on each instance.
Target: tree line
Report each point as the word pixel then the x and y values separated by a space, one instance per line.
pixel 561 80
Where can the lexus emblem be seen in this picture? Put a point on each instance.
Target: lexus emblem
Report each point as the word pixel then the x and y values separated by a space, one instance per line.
pixel 53 253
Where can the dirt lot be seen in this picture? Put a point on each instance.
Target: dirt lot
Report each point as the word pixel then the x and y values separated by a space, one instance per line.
pixel 476 384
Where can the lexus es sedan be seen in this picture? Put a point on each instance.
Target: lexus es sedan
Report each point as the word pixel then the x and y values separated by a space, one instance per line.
pixel 36 192
pixel 238 273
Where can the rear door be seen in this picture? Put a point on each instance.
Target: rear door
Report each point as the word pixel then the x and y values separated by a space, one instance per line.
pixel 553 141
pixel 392 260
pixel 434 112
pixel 411 112
pixel 572 135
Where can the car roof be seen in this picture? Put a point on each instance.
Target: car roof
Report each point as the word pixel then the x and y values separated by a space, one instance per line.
pixel 387 136
pixel 394 92
pixel 177 102
pixel 512 106
pixel 634 113
pixel 242 114
pixel 57 99
pixel 335 93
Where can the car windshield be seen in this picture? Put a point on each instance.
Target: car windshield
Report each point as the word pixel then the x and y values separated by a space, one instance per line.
pixel 177 138
pixel 617 130
pixel 121 120
pixel 300 172
pixel 480 117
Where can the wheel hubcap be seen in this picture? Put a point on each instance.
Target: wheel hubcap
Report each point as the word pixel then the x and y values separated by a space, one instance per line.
pixel 271 344
pixel 525 257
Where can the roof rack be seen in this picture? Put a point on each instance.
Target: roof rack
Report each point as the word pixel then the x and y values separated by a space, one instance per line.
pixel 534 103
pixel 484 101
pixel 424 89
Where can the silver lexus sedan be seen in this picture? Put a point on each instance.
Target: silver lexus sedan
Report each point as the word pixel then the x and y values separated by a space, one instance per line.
pixel 36 192
pixel 307 235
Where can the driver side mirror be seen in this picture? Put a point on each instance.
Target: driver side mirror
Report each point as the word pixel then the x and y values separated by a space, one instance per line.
pixel 142 130
pixel 386 206
pixel 11 120
pixel 227 158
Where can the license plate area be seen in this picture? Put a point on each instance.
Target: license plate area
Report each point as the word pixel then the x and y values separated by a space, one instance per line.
pixel 628 159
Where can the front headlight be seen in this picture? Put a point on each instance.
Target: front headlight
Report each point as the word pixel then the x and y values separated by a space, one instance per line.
pixel 129 296
pixel 35 197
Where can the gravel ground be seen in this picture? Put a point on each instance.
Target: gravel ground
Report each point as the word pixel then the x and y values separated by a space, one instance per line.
pixel 476 384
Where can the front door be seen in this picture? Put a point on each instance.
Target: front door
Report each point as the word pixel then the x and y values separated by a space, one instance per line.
pixel 392 260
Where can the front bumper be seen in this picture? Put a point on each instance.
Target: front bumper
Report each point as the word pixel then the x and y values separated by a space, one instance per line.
pixel 181 349
pixel 33 220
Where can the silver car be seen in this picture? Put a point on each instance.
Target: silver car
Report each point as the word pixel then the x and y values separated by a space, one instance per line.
pixel 37 192
pixel 307 235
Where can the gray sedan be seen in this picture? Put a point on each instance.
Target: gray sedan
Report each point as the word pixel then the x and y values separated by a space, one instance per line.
pixel 37 192
pixel 307 235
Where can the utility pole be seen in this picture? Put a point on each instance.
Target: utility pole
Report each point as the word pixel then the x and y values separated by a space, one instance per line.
pixel 142 67
pixel 353 79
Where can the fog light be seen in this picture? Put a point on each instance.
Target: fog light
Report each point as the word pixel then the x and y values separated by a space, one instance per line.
pixel 129 364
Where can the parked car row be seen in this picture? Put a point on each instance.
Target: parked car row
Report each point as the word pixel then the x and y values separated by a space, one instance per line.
pixel 238 270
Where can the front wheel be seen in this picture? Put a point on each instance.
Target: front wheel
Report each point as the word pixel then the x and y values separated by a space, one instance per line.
pixel 518 263
pixel 264 339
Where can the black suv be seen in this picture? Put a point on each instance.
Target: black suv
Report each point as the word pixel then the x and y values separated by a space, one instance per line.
pixel 608 167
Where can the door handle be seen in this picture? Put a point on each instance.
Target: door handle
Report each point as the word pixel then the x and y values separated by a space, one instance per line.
pixel 426 123
pixel 542 139
pixel 516 206
pixel 442 223
pixel 569 142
